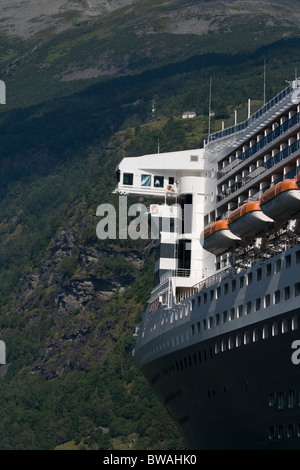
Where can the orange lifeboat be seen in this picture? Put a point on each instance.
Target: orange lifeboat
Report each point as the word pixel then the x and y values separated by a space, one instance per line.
pixel 217 238
pixel 282 201
pixel 248 221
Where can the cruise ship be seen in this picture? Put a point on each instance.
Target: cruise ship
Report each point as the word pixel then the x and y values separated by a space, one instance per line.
pixel 219 340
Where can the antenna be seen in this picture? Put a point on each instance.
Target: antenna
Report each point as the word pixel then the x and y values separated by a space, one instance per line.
pixel 209 107
pixel 158 145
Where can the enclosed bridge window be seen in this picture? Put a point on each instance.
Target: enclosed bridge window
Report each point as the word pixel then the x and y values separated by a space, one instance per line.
pixel 128 178
pixel 146 180
pixel 159 181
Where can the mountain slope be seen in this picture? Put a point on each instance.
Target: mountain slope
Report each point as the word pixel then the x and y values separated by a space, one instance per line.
pixel 27 18
pixel 79 91
pixel 126 37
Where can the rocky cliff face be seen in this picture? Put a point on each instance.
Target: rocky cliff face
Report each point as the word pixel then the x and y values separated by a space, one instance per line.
pixel 68 290
pixel 27 18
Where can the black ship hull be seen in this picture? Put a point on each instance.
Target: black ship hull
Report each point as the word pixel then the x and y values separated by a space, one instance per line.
pixel 246 397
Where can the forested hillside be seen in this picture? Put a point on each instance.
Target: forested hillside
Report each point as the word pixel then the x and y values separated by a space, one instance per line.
pixel 69 301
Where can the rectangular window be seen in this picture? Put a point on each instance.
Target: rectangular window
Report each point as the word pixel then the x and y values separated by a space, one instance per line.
pixel 284 326
pixel 287 293
pixel 239 340
pixel 217 319
pixel 267 300
pixel 295 322
pixel 226 289
pixel 298 257
pixel 292 398
pixel 281 400
pixel 247 337
pixel 211 295
pixel 297 289
pixel 146 180
pixel 290 431
pixel 258 274
pixel 241 282
pixel 257 304
pixel 266 333
pixel 272 433
pixel 278 266
pixel 288 261
pixel 172 225
pixel 248 308
pixel 272 399
pixel 240 311
pixel 255 336
pixel 280 431
pixel 275 328
pixel 233 285
pixel 277 297
pixel 224 316
pixel 159 181
pixel 128 178
pixel 269 269
pixel 231 314
pixel 249 279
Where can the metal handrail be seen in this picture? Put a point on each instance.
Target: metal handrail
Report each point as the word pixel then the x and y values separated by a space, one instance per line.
pixel 251 119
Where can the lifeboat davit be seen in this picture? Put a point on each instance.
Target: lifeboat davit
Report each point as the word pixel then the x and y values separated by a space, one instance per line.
pixel 248 221
pixel 217 238
pixel 282 201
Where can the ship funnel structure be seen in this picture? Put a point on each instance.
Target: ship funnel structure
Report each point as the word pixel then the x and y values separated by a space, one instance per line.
pixel 282 201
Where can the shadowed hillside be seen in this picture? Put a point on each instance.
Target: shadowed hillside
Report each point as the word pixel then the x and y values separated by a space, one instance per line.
pixel 79 100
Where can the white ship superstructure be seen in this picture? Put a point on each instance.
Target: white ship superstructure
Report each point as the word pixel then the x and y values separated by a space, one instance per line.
pixel 181 183
pixel 215 339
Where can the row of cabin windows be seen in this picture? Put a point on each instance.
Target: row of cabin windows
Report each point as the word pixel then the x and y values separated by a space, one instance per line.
pixel 146 180
pixel 237 340
pixel 257 334
pixel 172 396
pixel 234 341
pixel 282 431
pixel 248 279
pixel 285 294
pixel 183 420
pixel 284 399
pixel 246 308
